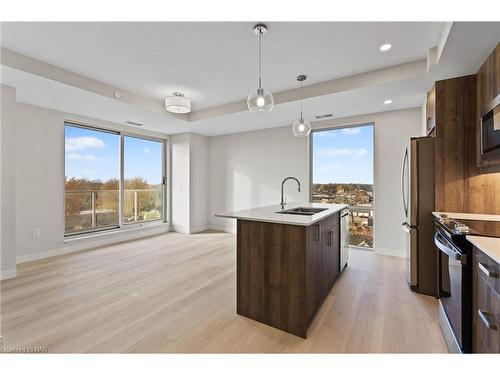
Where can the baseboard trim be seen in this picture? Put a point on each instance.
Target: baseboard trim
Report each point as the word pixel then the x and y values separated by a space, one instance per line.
pixel 92 243
pixel 390 252
pixel 179 229
pixel 8 274
pixel 198 229
pixel 221 228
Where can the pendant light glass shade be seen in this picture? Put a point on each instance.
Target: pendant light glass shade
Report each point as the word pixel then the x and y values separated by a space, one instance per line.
pixel 260 101
pixel 301 128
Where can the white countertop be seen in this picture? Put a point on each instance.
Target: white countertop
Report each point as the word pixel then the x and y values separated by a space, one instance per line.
pixel 488 245
pixel 466 216
pixel 268 213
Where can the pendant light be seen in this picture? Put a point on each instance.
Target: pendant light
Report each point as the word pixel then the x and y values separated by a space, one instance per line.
pixel 301 127
pixel 260 100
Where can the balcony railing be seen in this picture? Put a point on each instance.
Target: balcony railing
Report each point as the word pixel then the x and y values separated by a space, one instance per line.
pixel 361 226
pixel 360 222
pixel 89 210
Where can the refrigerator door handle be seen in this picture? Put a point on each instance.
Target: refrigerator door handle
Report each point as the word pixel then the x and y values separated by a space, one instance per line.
pixel 407 227
pixel 405 163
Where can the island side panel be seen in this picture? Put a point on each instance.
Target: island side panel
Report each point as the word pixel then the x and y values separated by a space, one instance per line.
pixel 286 270
pixel 270 274
pixel 251 273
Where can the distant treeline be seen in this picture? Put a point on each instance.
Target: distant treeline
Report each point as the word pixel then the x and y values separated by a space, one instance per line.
pixel 111 184
pixel 328 188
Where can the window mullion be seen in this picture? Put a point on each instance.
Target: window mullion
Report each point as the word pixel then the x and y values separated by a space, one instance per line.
pixel 122 181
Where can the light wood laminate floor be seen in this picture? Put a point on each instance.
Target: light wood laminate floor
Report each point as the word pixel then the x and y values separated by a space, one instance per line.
pixel 175 293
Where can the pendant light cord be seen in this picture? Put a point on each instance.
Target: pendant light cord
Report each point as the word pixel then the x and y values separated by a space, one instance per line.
pixel 301 99
pixel 260 59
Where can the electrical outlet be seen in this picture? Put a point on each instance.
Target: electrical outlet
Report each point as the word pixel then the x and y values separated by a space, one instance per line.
pixel 36 232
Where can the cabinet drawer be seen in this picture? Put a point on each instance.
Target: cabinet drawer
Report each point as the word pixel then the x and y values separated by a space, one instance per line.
pixel 487 319
pixel 330 221
pixel 488 270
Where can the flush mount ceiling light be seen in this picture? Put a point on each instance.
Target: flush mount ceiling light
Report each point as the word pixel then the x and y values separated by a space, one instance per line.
pixel 178 103
pixel 260 100
pixel 301 127
pixel 388 101
pixel 385 47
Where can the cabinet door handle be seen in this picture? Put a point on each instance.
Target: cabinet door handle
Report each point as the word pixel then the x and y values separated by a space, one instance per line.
pixel 485 318
pixel 484 268
pixel 318 233
pixel 330 240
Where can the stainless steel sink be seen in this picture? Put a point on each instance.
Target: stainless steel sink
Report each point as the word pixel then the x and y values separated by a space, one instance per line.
pixel 308 211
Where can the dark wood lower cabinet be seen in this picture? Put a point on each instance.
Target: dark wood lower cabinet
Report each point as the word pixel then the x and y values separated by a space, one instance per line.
pixel 284 272
pixel 486 305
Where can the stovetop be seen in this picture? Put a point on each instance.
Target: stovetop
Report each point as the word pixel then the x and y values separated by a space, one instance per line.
pixel 464 227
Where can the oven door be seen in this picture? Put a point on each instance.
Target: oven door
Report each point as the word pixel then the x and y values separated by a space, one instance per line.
pixel 450 284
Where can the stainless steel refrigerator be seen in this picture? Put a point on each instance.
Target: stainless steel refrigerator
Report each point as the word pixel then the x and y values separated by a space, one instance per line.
pixel 417 180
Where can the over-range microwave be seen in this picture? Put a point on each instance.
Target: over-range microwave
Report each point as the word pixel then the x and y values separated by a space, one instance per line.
pixel 490 131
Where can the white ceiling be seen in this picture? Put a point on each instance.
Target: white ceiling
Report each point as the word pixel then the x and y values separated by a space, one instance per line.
pixel 216 63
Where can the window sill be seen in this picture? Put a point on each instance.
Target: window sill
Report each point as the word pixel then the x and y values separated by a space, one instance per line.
pixel 113 232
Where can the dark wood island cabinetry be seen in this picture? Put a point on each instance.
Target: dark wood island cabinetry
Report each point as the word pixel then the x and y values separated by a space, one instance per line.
pixel 286 269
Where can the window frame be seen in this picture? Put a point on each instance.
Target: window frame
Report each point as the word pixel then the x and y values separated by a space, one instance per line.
pixel 122 179
pixel 165 219
pixel 310 144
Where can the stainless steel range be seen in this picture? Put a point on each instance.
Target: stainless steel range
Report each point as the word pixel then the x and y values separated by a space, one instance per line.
pixel 454 279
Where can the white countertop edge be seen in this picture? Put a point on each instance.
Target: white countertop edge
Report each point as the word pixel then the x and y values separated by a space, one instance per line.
pixel 488 245
pixel 468 216
pixel 268 214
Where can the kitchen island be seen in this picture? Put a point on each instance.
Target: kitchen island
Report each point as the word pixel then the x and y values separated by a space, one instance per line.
pixel 287 262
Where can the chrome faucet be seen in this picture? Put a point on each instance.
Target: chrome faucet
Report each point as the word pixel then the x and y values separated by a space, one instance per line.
pixel 283 202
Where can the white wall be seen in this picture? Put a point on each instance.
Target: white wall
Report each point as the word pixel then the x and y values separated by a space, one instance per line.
pixel 189 182
pixel 39 181
pixel 198 183
pixel 246 170
pixel 423 111
pixel 7 185
pixel 180 182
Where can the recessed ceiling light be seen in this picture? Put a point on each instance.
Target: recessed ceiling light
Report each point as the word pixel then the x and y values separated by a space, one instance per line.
pixel 388 101
pixel 385 47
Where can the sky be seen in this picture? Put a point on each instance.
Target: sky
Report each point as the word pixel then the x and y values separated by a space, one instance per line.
pixel 94 155
pixel 343 155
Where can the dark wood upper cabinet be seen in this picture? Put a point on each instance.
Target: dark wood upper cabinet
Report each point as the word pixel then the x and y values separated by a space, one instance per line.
pixel 464 182
pixel 497 68
pixel 455 119
pixel 488 88
pixel 488 81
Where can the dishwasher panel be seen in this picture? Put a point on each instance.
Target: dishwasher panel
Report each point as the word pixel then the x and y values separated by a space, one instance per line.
pixel 344 238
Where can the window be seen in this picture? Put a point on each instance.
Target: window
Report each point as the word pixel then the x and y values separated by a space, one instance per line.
pixel 342 172
pixel 143 171
pixel 96 197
